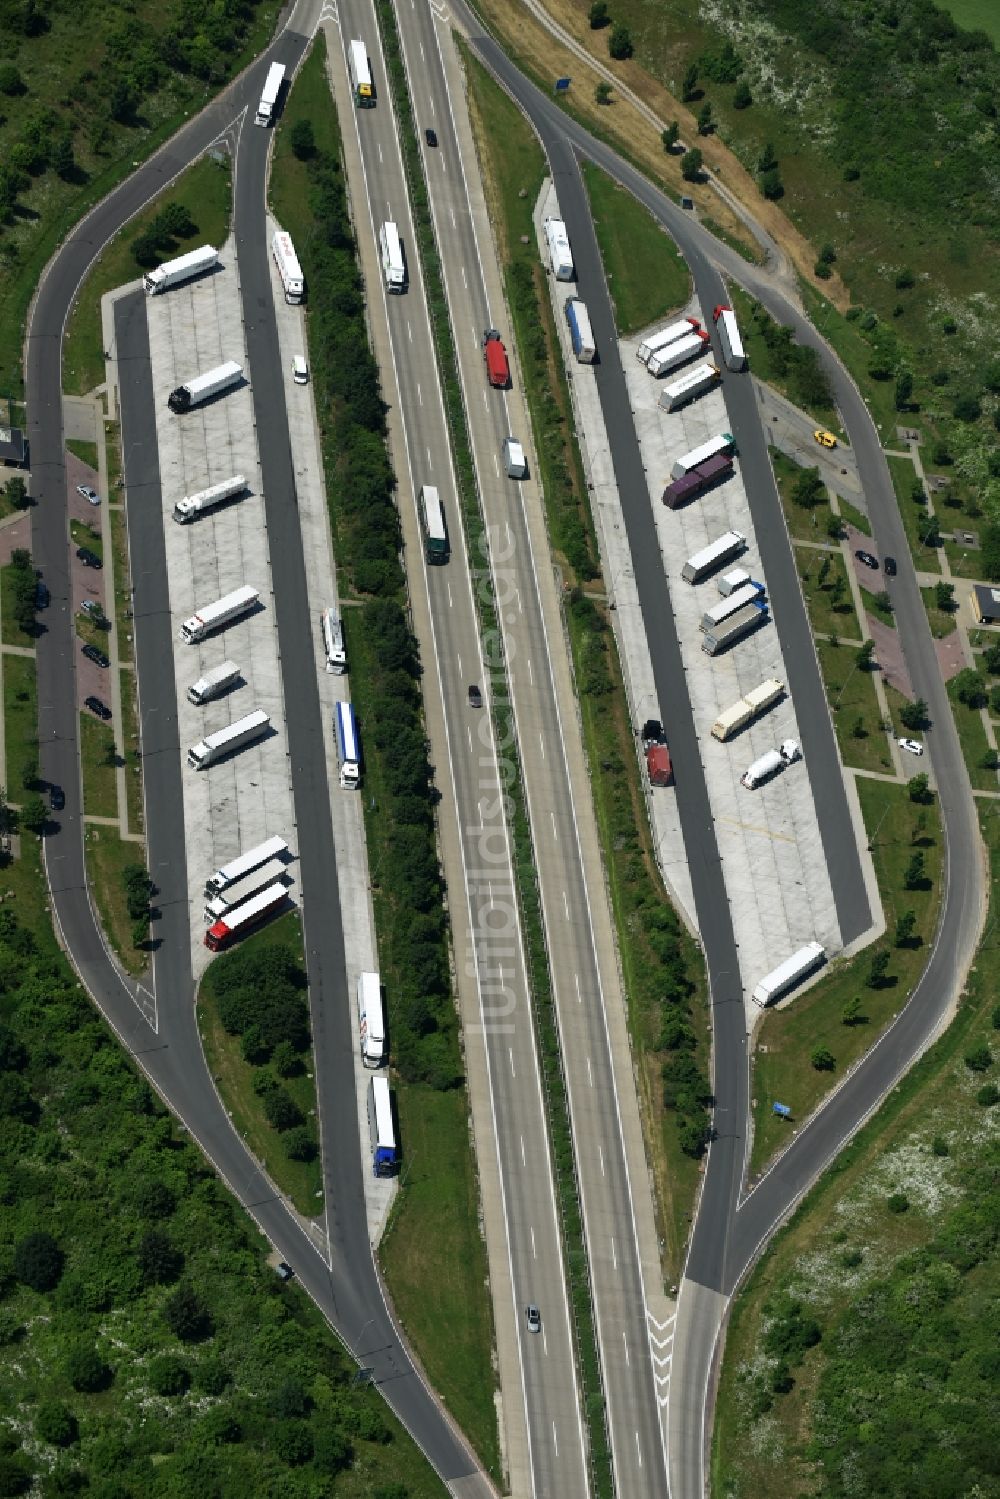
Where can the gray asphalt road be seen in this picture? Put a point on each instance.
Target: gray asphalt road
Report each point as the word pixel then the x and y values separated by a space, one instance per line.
pixel 347 1289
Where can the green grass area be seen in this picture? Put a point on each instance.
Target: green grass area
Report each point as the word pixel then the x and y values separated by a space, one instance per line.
pixel 925 558
pixel 301 1181
pixel 310 100
pixel 205 191
pixel 435 1224
pixel 975 745
pixel 12 633
pixel 930 1140
pixel 897 829
pixel 98 755
pixel 975 15
pixel 107 856
pixel 855 352
pixel 85 451
pixel 779 366
pixel 20 712
pixel 828 596
pixel 646 274
pixel 854 707
pixel 130 749
pixel 856 518
pixel 942 621
pixel 964 561
pixel 121 582
pixel 83 534
pixel 804 524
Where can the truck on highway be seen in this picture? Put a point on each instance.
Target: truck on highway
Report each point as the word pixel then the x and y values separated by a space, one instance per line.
pixel 580 332
pixel 658 765
pixel 193 505
pixel 659 340
pixel 214 683
pixel 269 96
pixel 720 446
pixel 729 337
pixel 688 386
pixel 768 765
pixel 679 491
pixel 228 740
pixel 245 917
pixel 371 1020
pixel 749 707
pixel 359 68
pixel 381 1129
pixel 221 880
pixel 204 387
pixel 216 616
pixel 174 272
pixel 749 618
pixel 293 282
pixel 560 254
pixel 390 250
pixel 515 465
pixel 345 725
pixel 677 353
pixel 720 612
pixel 713 556
pixel 497 368
pixel 789 973
pixel 244 889
pixel 333 642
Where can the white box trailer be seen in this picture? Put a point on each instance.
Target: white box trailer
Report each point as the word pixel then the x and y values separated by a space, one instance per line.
pixel 226 741
pixel 514 462
pixel 203 387
pixel 749 618
pixel 729 337
pixel 659 340
pixel 229 873
pixel 580 331
pixel 738 599
pixel 560 254
pixel 789 973
pixel 173 272
pixel 677 353
pixel 193 505
pixel 269 96
pixel 333 642
pixel 214 683
pixel 235 894
pixel 390 249
pixel 371 1020
pixel 292 280
pixel 747 709
pixel 688 386
pixel 729 582
pixel 713 556
pixel 216 616
pixel 722 445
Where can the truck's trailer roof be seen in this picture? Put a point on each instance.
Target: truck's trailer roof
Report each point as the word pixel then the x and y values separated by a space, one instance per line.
pixel 767 692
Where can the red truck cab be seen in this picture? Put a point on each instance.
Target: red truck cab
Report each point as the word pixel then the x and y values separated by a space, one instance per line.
pixel 497 368
pixel 717 312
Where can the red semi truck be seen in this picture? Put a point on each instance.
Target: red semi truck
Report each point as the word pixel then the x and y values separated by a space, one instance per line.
pixel 658 765
pixel 497 368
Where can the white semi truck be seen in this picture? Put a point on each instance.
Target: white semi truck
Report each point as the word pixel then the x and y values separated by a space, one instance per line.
pixel 729 337
pixel 193 505
pixel 688 386
pixel 677 353
pixel 789 973
pixel 749 618
pixel 757 701
pixel 204 387
pixel 722 550
pixel 269 97
pixel 216 616
pixel 173 272
pixel 292 280
pixel 766 766
pixel 738 599
pixel 722 445
pixel 226 741
pixel 560 254
pixel 214 683
pixel 659 340
pixel 241 890
pixel 229 873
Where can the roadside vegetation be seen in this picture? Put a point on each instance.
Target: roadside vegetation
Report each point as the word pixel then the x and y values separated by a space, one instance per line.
pixel 646 274
pixel 664 981
pixel 445 1311
pixel 861 1357
pixel 86 91
pixel 110 862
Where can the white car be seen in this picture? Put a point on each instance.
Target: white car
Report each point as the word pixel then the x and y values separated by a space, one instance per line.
pixel 912 746
pixel 300 370
pixel 88 493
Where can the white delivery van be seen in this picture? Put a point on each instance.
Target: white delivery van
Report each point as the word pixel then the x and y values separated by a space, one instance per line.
pixel 514 462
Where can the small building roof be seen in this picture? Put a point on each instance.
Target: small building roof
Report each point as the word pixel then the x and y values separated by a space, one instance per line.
pixel 986 603
pixel 12 445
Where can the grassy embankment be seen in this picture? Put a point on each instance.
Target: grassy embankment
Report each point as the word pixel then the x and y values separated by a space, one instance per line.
pixel 646 275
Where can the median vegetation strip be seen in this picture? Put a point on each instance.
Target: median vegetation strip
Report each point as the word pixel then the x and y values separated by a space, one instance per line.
pixel 17 599
pixel 436 1206
pixel 922 528
pixel 20 705
pixel 108 858
pixel 828 597
pixel 805 500
pixel 879 1299
pixel 857 720
pixel 806 1048
pixel 99 760
pixel 647 276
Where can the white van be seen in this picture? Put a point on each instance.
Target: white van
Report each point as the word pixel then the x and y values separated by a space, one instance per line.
pixel 300 370
pixel 514 462
pixel 371 1021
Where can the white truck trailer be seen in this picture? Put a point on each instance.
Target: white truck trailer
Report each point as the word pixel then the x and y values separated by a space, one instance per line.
pixel 173 272
pixel 714 555
pixel 229 873
pixel 789 973
pixel 768 765
pixel 688 386
pixel 722 445
pixel 371 1020
pixel 729 337
pixel 226 741
pixel 749 618
pixel 676 354
pixel 757 701
pixel 214 683
pixel 292 280
pixel 204 387
pixel 659 340
pixel 193 505
pixel 241 890
pixel 738 599
pixel 580 331
pixel 269 97
pixel 729 582
pixel 333 642
pixel 560 254
pixel 216 616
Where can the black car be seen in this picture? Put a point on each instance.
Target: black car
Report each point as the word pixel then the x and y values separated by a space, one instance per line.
pixel 93 654
pixel 41 595
pixel 96 706
pixel 89 558
pixel 652 733
pixel 475 697
pixel 867 559
pixel 890 567
pixel 57 798
pixel 430 136
pixel 283 1270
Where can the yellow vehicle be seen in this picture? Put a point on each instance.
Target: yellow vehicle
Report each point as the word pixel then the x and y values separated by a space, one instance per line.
pixel 825 439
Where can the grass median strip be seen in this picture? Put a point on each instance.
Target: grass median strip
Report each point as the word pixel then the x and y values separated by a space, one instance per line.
pixel 854 707
pixel 99 759
pixel 646 274
pixel 108 857
pixel 20 704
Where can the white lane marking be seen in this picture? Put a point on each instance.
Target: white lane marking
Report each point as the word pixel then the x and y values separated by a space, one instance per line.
pixel 421 46
pixel 555 1438
pixel 566 905
pixel 464 282
pixel 638 1449
pixel 510 1053
pixel 428 452
pixel 555 832
pixel 541 743
pixel 600 1154
pixel 534 1251
pixel 625 1341
pixel 452 212
pixel 496 466
pixel 531 674
pixel 420 397
pixel 469 734
pixel 614 1255
pixel 409 331
pixel 579 996
pixel 460 672
pixel 451 606
pixel 523 1160
pixel 379 153
pixel 590 1073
